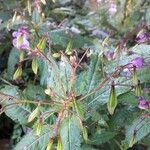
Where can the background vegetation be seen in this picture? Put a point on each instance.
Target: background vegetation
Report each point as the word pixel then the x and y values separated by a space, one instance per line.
pixel 83 80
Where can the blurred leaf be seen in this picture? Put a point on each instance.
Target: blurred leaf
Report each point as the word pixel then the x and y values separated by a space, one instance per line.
pixel 103 137
pixel 62 37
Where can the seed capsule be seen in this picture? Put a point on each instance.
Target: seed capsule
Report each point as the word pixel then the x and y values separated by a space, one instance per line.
pixel 112 102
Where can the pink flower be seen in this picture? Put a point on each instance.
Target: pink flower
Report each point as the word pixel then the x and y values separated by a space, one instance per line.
pixel 110 55
pixel 20 40
pixel 143 104
pixel 113 9
pixel 138 62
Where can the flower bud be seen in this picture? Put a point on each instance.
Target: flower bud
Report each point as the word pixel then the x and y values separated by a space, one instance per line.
pixel 112 102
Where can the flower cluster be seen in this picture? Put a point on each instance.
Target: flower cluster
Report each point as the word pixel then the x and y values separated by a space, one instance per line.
pixel 20 40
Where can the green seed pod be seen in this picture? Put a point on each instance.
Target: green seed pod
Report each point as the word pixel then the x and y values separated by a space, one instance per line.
pixel 112 102
pixel 69 48
pixel 39 127
pixel 35 65
pixel 21 57
pixel 132 141
pixel 33 114
pixel 17 73
pixel 134 77
pixel 42 44
pixel 138 90
pixel 56 55
pixel 85 134
pixel 59 144
pixel 29 7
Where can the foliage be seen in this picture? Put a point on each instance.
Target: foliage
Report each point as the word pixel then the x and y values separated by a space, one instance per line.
pixel 83 80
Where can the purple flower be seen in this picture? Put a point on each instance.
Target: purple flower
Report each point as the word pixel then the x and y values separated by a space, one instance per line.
pixel 20 40
pixel 142 37
pixel 143 104
pixel 110 55
pixel 138 62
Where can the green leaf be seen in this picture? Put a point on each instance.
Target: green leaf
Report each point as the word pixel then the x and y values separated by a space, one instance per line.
pixel 103 137
pixel 32 142
pixel 138 130
pixel 70 133
pixel 12 61
pixel 34 92
pixel 18 113
pixel 60 38
pixel 88 80
pixel 57 75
